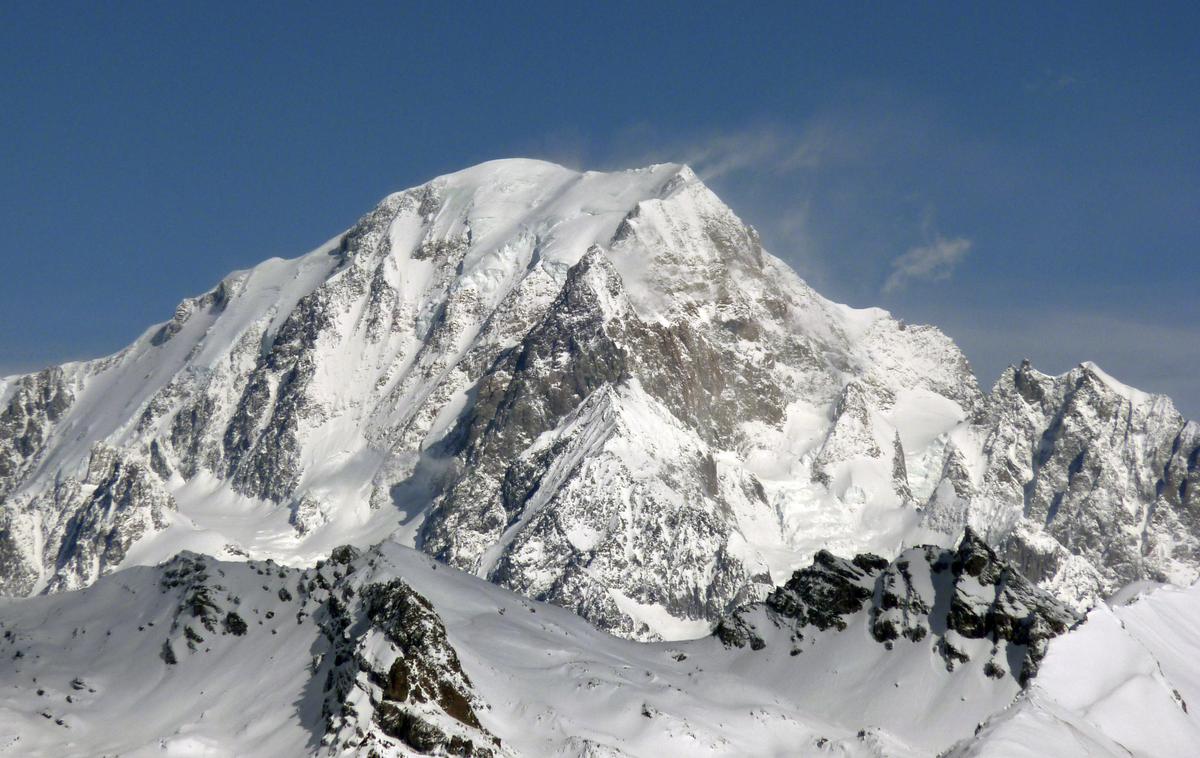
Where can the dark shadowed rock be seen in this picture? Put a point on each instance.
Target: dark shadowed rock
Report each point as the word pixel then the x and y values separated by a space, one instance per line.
pixel 966 592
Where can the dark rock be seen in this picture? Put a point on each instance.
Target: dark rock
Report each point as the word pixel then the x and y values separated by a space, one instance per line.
pixel 234 624
pixel 976 595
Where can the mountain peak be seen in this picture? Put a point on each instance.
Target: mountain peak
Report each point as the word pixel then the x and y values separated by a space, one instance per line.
pixel 530 178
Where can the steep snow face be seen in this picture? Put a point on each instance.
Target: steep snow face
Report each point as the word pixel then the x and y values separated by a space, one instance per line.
pixel 594 388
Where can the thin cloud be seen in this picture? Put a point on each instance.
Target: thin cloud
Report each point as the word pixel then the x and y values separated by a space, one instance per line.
pixel 724 154
pixel 775 150
pixel 813 187
pixel 933 262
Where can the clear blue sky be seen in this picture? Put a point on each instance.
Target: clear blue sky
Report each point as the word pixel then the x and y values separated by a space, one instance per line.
pixel 1026 178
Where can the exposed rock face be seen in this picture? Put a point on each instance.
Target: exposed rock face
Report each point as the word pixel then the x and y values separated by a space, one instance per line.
pixel 595 389
pixel 36 403
pixel 96 520
pixel 1087 484
pixel 410 695
pixel 565 492
pixel 927 595
pixel 205 606
pixel 388 679
pixel 126 501
pixel 577 350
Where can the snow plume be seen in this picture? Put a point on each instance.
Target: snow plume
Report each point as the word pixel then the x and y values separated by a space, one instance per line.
pixel 934 262
pixel 753 150
pixel 760 149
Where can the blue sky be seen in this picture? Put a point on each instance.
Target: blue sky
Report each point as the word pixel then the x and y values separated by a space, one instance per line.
pixel 1026 178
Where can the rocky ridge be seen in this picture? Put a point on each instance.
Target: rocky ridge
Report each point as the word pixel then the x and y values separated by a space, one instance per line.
pixel 382 678
pixel 947 599
pixel 1086 484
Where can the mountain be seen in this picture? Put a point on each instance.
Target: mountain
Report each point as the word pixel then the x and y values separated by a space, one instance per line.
pixel 1107 480
pixel 538 462
pixel 594 389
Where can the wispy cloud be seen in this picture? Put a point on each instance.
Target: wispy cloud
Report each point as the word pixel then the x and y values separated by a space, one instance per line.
pixel 837 196
pixel 933 262
pixel 821 190
pixel 762 150
pixel 862 129
pixel 773 174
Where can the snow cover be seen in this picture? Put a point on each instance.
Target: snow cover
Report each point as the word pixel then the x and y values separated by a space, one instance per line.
pixel 386 385
pixel 1120 685
pixel 746 423
pixel 307 403
pixel 554 685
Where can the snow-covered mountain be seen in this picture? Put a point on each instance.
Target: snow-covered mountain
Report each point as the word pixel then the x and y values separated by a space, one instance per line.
pixel 595 389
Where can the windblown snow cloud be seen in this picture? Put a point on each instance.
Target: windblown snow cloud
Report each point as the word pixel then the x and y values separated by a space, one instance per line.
pixel 765 149
pixel 933 262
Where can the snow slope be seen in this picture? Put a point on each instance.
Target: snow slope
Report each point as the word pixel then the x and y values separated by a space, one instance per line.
pixel 1120 685
pixel 87 672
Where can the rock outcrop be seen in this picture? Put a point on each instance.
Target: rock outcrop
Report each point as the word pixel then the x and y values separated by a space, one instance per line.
pixel 928 595
pixel 388 679
pixel 85 526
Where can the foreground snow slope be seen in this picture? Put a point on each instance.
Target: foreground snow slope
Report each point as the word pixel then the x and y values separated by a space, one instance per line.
pixel 596 389
pixel 1125 683
pixel 202 657
pixel 389 651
